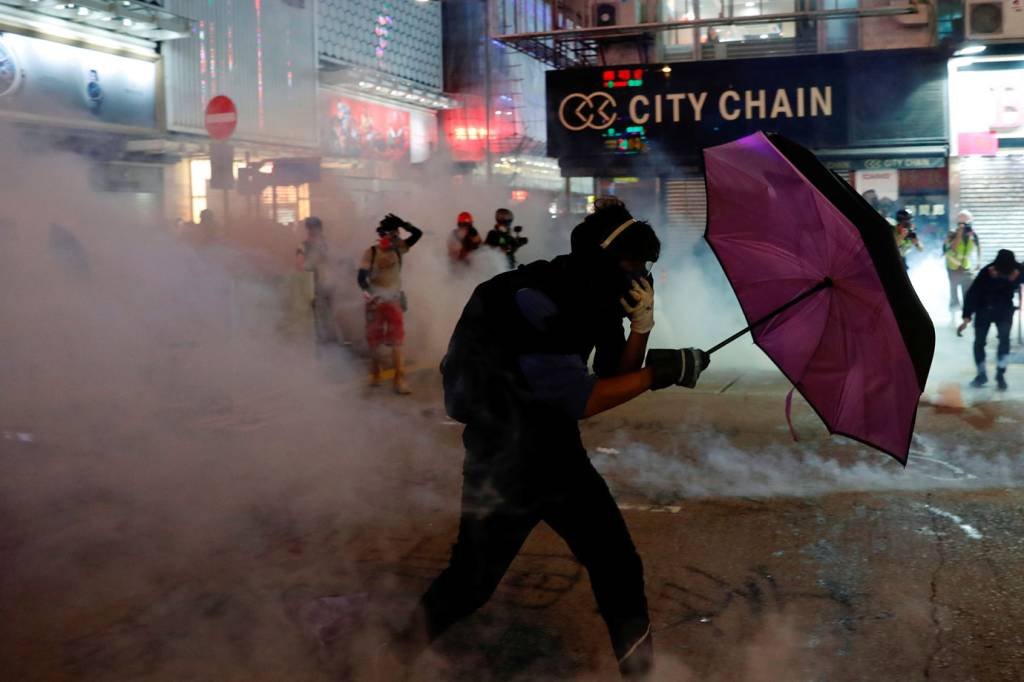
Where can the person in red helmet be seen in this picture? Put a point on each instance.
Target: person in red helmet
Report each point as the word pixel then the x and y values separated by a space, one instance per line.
pixel 464 239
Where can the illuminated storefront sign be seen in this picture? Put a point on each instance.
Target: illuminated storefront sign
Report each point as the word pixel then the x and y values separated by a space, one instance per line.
pixel 655 116
pixel 986 105
pixel 50 81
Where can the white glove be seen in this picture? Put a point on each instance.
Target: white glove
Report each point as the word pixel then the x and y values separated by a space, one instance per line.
pixel 641 315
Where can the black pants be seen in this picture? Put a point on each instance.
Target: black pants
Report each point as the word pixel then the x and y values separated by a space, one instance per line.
pixel 504 496
pixel 1003 320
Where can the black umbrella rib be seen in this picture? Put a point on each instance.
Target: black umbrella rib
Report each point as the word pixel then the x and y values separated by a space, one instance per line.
pixel 823 284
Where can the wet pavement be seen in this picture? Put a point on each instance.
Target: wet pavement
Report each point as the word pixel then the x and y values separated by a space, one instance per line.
pixel 765 558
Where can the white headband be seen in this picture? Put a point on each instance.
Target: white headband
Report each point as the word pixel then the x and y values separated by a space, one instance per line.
pixel 616 232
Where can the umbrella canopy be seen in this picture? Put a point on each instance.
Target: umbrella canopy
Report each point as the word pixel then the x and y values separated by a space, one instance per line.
pixel 818 275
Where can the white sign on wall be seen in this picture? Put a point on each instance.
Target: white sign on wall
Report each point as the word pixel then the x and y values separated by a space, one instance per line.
pixel 884 183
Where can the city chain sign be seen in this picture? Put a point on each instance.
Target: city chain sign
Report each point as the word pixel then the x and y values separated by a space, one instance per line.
pixel 656 115
pixel 599 110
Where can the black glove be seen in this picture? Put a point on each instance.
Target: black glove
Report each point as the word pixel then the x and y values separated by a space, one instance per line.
pixel 680 367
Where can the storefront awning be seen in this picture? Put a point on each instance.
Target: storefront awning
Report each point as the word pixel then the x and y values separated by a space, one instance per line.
pixel 907 157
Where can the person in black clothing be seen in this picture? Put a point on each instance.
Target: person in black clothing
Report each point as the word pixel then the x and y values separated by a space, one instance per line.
pixel 505 237
pixel 515 374
pixel 990 301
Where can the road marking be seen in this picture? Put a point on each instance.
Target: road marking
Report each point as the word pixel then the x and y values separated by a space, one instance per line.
pixel 968 529
pixel 960 473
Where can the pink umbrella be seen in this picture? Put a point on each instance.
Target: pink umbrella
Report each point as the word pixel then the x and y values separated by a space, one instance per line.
pixel 818 276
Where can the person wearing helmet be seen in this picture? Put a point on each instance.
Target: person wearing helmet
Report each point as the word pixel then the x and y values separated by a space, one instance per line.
pixel 990 301
pixel 516 374
pixel 463 240
pixel 505 237
pixel 904 234
pixel 962 250
pixel 312 256
pixel 380 278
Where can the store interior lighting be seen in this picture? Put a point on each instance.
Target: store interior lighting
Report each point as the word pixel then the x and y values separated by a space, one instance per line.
pixel 132 19
pixel 968 50
pixel 344 77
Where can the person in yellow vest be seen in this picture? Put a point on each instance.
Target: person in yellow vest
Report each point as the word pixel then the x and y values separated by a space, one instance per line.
pixel 904 234
pixel 963 255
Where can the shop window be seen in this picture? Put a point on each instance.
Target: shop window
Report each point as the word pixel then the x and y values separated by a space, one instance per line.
pixel 680 40
pixel 199 184
pixel 710 9
pixel 285 204
pixel 841 34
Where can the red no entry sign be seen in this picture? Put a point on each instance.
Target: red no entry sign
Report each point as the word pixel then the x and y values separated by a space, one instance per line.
pixel 221 117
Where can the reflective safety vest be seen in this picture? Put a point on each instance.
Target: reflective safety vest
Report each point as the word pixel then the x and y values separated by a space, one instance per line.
pixel 962 256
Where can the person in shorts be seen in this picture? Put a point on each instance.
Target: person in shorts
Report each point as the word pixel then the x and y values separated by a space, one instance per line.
pixel 380 278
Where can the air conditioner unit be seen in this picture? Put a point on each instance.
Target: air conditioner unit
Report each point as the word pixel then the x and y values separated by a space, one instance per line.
pixel 994 19
pixel 615 12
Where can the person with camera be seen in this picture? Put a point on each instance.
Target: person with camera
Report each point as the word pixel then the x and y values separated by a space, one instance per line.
pixel 380 278
pixel 505 237
pixel 904 234
pixel 464 239
pixel 963 256
pixel 516 374
pixel 990 301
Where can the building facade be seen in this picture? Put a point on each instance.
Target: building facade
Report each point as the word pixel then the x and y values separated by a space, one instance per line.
pixel 641 88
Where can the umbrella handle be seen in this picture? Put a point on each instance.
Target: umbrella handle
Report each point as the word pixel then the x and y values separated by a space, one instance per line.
pixel 823 284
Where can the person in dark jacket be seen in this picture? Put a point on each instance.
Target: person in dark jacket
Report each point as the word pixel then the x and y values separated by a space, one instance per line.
pixel 990 301
pixel 516 375
pixel 505 237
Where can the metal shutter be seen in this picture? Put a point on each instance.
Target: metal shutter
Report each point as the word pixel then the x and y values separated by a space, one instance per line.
pixel 992 189
pixel 686 208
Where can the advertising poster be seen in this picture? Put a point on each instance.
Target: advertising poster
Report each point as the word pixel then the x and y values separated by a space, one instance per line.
pixel 355 128
pixel 57 81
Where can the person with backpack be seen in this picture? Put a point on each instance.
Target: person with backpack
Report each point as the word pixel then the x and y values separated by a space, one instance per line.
pixel 380 278
pixel 515 373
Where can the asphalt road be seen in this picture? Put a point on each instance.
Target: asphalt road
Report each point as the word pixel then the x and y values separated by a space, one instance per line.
pixel 204 552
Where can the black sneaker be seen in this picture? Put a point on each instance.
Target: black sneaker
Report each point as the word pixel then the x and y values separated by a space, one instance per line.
pixel 979 381
pixel 1001 382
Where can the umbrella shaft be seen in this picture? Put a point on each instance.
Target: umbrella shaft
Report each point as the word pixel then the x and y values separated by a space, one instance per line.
pixel 823 284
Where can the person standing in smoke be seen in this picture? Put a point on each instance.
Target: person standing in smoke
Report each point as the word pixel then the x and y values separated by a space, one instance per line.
pixel 990 301
pixel 463 240
pixel 904 234
pixel 516 375
pixel 380 278
pixel 505 237
pixel 962 251
pixel 312 256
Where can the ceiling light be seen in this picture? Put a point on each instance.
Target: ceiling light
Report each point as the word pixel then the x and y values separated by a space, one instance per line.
pixel 127 22
pixel 83 11
pixel 969 50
